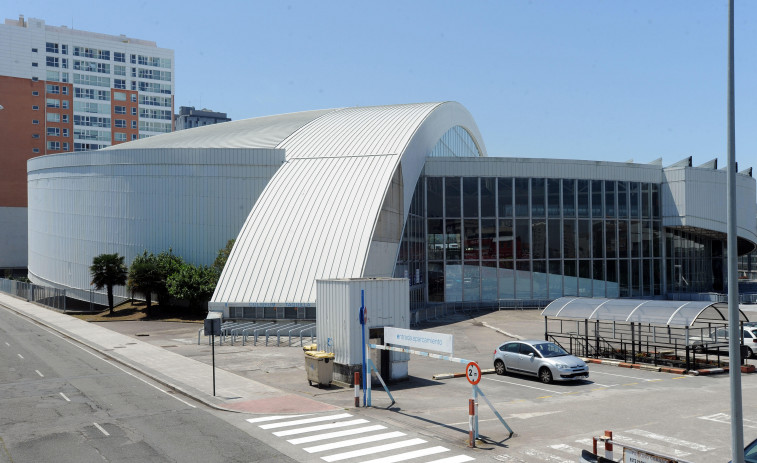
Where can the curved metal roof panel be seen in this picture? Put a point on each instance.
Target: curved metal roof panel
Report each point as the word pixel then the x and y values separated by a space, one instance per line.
pixel 673 313
pixel 259 132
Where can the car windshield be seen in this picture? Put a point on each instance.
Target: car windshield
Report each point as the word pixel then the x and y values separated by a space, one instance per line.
pixel 548 349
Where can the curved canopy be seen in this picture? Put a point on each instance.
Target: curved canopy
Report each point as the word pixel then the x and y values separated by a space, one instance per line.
pixel 671 313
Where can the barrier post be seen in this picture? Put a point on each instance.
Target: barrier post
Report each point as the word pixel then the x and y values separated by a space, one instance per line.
pixel 608 445
pixel 357 389
pixel 471 412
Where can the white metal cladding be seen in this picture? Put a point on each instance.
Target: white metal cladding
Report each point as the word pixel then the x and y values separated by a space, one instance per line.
pixel 388 304
pixel 127 201
pixel 259 132
pixel 673 313
pixel 317 217
pixel 696 197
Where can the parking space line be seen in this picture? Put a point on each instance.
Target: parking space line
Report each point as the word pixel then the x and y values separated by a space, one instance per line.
pixel 594 372
pixel 545 397
pixel 605 385
pixel 679 377
pixel 524 385
pixel 64 396
pixel 102 430
pixel 20 356
pixel 630 384
pixel 40 374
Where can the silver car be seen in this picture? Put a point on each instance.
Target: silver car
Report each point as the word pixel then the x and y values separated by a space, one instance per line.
pixel 544 359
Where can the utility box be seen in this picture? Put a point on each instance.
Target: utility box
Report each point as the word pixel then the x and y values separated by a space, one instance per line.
pixel 387 301
pixel 213 324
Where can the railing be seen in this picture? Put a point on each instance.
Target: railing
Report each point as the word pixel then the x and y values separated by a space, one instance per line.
pixel 50 297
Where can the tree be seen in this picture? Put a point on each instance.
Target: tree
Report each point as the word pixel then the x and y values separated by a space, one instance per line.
pixel 108 270
pixel 223 256
pixel 145 277
pixel 168 264
pixel 194 284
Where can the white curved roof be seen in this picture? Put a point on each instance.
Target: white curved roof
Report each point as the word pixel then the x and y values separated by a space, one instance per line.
pixel 317 216
pixel 259 132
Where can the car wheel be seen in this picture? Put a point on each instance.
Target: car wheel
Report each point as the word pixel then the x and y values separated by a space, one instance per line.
pixel 749 352
pixel 499 367
pixel 545 375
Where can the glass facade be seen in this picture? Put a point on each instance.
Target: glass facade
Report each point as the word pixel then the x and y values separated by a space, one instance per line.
pixel 491 238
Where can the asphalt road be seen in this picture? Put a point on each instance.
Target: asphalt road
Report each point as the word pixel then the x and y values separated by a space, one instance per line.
pixel 60 402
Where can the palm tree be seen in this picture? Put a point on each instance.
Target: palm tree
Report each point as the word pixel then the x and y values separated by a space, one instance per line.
pixel 108 270
pixel 145 277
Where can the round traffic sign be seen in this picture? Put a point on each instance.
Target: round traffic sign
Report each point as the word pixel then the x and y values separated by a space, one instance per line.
pixel 473 373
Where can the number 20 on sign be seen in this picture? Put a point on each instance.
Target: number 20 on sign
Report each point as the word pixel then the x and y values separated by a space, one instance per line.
pixel 473 373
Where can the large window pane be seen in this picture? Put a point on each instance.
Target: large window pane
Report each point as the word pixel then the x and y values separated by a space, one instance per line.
pixel 597 239
pixel 489 281
pixel 452 239
pixel 609 199
pixel 555 279
pixel 553 197
pixel 554 240
pixel 522 238
pixel 472 241
pixel 505 197
pixel 622 238
pixel 436 282
pixel 453 278
pixel 635 238
pixel 470 196
pixel 435 197
pixel 539 280
pixel 613 288
pixel 472 281
pixel 539 238
pixel 435 239
pixel 488 239
pixel 506 240
pixel 537 197
pixel 584 278
pixel 596 198
pixel 635 200
pixel 570 278
pixel 506 274
pixel 521 197
pixel 635 278
pixel 611 242
pixel 646 200
pixel 452 196
pixel 583 198
pixel 584 239
pixel 569 239
pixel 655 201
pixel 569 198
pixel 523 280
pixel 623 200
pixel 598 275
pixel 623 278
pixel 488 197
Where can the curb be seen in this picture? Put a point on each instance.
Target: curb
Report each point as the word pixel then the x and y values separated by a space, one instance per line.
pixel 514 336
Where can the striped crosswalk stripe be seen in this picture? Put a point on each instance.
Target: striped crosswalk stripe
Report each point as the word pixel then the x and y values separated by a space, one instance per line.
pixel 356 441
pixel 372 450
pixel 321 427
pixel 410 455
pixel 335 434
pixel 284 424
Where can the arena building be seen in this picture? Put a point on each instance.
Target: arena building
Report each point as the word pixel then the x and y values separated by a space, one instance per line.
pixel 401 190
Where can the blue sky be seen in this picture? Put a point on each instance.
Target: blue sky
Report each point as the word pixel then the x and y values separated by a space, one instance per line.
pixel 597 80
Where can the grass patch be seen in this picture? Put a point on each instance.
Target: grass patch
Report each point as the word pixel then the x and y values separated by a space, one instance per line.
pixel 136 310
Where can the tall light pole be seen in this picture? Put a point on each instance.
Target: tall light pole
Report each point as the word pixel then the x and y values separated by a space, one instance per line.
pixel 734 341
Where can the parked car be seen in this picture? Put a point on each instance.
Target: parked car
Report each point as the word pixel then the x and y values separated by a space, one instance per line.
pixel 546 360
pixel 719 336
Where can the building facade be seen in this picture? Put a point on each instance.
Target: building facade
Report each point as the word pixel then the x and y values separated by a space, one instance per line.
pixel 189 117
pixel 65 90
pixel 388 191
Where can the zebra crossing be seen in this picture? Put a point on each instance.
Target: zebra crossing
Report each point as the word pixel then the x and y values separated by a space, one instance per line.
pixel 342 437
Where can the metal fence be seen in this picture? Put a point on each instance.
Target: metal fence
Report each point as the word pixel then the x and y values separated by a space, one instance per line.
pixel 50 297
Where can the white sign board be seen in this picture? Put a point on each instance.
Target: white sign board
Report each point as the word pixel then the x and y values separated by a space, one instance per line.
pixel 639 456
pixel 422 340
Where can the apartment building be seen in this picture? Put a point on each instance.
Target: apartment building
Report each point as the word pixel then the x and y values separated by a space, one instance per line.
pixel 64 90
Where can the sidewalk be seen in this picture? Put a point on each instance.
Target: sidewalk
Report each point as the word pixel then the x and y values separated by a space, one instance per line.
pixel 185 375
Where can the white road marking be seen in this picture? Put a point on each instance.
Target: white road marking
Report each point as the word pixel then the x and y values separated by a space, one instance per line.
pixel 321 427
pixel 317 419
pixel 671 440
pixel 6 343
pixel 546 456
pixel 525 416
pixel 40 374
pixel 372 450
pixel 594 372
pixel 20 356
pixel 110 363
pixel 524 385
pixel 455 459
pixel 410 455
pixel 64 396
pixel 603 385
pixel 620 439
pixel 566 448
pixel 273 418
pixel 335 434
pixel 101 429
pixel 356 441
pixel 726 419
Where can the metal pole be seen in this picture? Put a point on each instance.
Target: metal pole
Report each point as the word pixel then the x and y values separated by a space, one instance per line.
pixel 213 341
pixel 737 425
pixel 364 378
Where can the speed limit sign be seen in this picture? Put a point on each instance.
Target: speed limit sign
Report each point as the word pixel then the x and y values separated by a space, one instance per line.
pixel 473 373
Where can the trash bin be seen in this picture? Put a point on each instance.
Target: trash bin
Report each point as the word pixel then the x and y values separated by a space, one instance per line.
pixel 320 367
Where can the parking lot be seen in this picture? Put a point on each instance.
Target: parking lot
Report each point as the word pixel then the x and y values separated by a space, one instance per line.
pixel 680 415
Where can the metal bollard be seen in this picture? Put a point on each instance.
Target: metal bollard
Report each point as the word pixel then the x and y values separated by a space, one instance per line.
pixel 608 445
pixel 357 389
pixel 471 414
